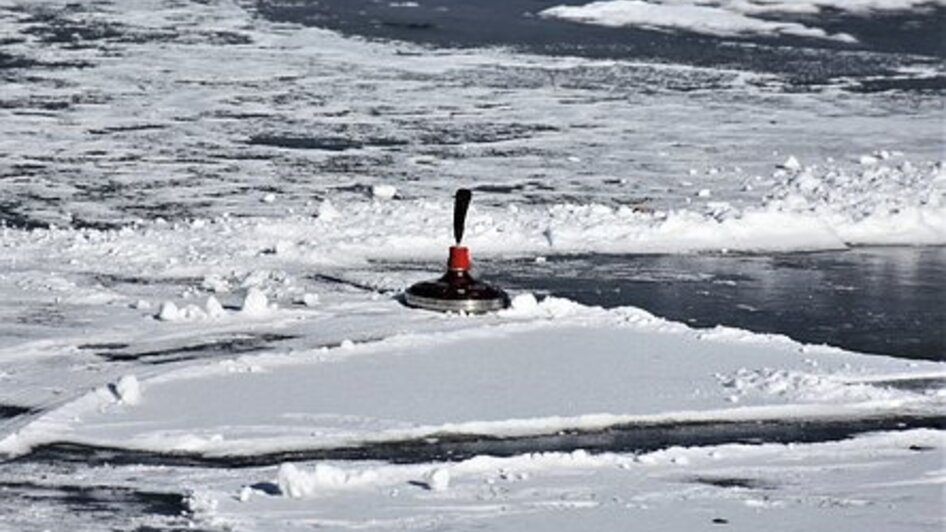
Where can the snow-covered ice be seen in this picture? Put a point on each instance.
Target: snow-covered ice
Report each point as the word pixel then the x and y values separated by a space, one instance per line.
pixel 540 368
pixel 726 17
pixel 618 366
pixel 696 17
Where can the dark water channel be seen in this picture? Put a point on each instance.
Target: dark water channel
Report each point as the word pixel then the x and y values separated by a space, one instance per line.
pixel 883 300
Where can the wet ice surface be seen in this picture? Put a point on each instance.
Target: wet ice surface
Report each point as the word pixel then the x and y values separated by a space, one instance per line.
pixel 873 300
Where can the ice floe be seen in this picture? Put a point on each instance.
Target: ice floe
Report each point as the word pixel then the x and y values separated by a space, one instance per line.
pixel 727 17
pixel 505 378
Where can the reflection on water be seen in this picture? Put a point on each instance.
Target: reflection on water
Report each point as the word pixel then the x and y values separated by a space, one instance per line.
pixel 873 300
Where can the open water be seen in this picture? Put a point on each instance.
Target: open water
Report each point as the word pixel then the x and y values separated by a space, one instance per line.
pixel 882 300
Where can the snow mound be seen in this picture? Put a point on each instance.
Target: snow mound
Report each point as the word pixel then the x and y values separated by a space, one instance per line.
pixel 383 192
pixel 327 211
pixel 214 308
pixel 792 164
pixel 170 312
pixel 128 390
pixel 528 306
pixel 310 300
pixel 255 303
pixel 438 479
pixel 296 483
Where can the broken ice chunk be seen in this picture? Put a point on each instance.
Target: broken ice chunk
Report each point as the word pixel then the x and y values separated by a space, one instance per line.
pixel 128 390
pixel 168 312
pixel 384 192
pixel 438 480
pixel 255 302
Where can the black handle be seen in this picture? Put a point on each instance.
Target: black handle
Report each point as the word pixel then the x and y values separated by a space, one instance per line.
pixel 459 212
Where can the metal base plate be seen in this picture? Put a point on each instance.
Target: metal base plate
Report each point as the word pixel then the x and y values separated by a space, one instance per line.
pixel 441 296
